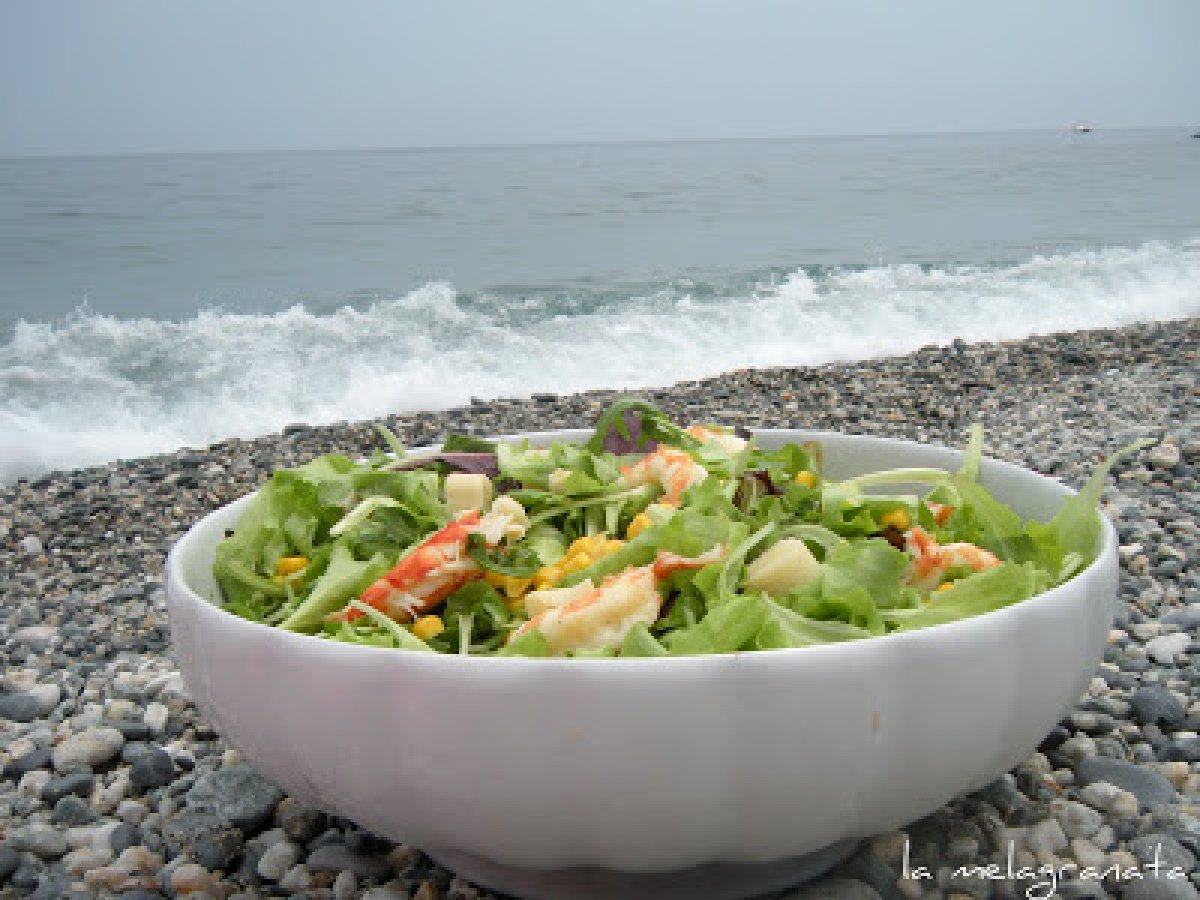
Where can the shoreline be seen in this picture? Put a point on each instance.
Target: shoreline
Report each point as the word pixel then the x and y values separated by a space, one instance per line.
pixel 84 642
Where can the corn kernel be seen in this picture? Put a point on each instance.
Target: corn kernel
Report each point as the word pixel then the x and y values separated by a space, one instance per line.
pixel 290 565
pixel 945 586
pixel 896 518
pixel 639 524
pixel 581 561
pixel 511 585
pixel 548 576
pixel 427 627
pixel 806 478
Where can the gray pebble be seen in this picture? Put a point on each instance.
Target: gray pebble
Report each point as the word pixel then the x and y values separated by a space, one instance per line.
pixel 9 860
pixel 1149 786
pixel 35 703
pixel 1161 889
pixel 238 794
pixel 71 811
pixel 78 783
pixel 833 889
pixel 1166 849
pixel 1155 705
pixel 123 837
pixel 151 769
pixel 40 840
pixel 338 857
pixel 190 830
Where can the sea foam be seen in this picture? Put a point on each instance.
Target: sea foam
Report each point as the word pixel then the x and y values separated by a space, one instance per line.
pixel 93 388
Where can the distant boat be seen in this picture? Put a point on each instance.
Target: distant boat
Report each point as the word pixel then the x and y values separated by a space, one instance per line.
pixel 1081 127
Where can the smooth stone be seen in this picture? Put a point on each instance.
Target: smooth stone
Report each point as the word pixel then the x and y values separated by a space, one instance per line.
pixel 344 886
pixel 1161 889
pixel 123 837
pixel 9 860
pixel 833 889
pixel 1182 750
pixel 297 878
pixel 1170 852
pixel 1149 787
pixel 77 862
pixel 1046 836
pixel 1164 648
pixel 40 840
pixel 78 783
pixel 238 794
pixel 88 748
pixel 1081 890
pixel 153 768
pixel 1078 820
pixel 217 849
pixel 37 758
pixel 72 811
pixel 1155 705
pixel 337 857
pixel 301 823
pixel 34 703
pixel 190 878
pixel 191 829
pixel 277 859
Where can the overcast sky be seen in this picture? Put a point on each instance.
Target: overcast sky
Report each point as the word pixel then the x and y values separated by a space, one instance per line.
pixel 121 76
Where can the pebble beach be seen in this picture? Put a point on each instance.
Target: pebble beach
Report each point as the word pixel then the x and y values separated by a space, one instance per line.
pixel 112 784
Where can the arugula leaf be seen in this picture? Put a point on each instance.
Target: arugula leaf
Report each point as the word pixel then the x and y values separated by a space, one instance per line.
pixel 477 607
pixel 517 561
pixel 633 425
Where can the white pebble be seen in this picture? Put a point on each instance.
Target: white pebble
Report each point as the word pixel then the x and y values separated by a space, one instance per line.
pixel 32 782
pixel 344 885
pixel 1046 837
pixel 296 879
pixel 1166 647
pixel 1124 805
pixel 132 811
pixel 278 859
pixel 1099 795
pixel 155 717
pixel 1086 853
pixel 31 544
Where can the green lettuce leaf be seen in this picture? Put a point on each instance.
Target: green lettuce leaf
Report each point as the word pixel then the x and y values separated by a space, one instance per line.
pixel 344 578
pixel 782 627
pixel 972 596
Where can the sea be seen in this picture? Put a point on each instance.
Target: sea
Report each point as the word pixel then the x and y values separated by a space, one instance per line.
pixel 159 301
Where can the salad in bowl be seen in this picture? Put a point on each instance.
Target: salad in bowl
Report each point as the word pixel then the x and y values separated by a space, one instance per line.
pixel 648 539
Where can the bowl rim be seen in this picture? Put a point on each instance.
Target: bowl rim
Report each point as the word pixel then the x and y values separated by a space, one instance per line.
pixel 177 586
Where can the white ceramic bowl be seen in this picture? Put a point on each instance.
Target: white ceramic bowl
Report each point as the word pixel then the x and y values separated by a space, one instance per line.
pixel 509 769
